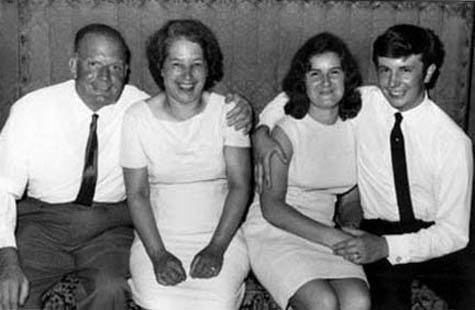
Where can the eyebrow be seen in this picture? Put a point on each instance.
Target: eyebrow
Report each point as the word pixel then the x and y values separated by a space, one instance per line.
pixel 317 69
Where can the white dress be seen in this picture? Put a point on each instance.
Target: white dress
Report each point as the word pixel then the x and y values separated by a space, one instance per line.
pixel 188 187
pixel 323 165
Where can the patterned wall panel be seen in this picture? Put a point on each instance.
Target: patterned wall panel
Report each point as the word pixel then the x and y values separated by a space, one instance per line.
pixel 258 38
pixel 9 57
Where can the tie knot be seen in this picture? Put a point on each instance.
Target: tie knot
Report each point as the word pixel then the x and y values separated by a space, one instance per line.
pixel 398 117
pixel 94 121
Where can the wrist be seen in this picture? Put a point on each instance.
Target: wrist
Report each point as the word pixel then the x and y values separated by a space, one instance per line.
pixel 158 253
pixel 384 247
pixel 9 258
pixel 218 246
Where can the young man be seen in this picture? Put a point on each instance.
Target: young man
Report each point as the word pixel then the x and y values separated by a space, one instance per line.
pixel 75 219
pixel 415 169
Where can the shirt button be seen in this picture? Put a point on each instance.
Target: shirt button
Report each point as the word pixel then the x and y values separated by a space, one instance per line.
pixel 398 259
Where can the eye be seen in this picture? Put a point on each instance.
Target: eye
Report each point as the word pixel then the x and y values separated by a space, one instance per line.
pixel 406 70
pixel 382 70
pixel 314 74
pixel 93 64
pixel 175 65
pixel 119 68
pixel 336 72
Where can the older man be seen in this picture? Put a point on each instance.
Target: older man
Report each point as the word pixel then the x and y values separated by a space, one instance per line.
pixel 61 144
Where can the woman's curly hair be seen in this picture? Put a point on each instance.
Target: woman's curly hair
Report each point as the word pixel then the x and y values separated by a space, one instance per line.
pixel 192 30
pixel 294 82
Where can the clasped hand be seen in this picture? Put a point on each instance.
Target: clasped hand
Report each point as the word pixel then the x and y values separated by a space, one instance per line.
pixel 206 264
pixel 363 248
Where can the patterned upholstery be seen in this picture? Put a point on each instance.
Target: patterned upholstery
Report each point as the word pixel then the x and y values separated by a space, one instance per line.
pixel 61 297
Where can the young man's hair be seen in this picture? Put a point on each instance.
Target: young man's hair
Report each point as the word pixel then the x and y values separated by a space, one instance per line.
pixel 404 40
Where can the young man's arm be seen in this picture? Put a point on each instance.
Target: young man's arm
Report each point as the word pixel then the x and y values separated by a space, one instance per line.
pixel 264 146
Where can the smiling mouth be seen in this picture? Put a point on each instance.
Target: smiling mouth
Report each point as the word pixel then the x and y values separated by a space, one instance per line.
pixel 186 87
pixel 396 94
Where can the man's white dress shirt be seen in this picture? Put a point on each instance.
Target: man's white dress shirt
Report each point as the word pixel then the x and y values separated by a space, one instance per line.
pixel 440 171
pixel 42 148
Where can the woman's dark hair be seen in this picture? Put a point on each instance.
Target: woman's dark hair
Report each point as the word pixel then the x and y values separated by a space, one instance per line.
pixel 194 31
pixel 294 82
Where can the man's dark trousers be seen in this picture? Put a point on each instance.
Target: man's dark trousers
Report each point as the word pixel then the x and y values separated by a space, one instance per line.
pixel 93 243
pixel 452 277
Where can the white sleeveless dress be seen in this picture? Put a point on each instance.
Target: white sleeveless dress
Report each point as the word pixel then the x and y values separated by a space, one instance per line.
pixel 323 165
pixel 188 186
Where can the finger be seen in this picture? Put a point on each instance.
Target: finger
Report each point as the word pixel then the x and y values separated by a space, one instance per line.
pixel 238 124
pixel 24 288
pixel 4 297
pixel 266 170
pixel 353 231
pixel 228 98
pixel 193 265
pixel 13 295
pixel 344 244
pixel 248 128
pixel 239 121
pixel 280 153
pixel 232 114
pixel 181 271
pixel 203 268
pixel 170 277
pixel 175 276
pixel 196 267
pixel 343 251
pixel 164 279
pixel 259 171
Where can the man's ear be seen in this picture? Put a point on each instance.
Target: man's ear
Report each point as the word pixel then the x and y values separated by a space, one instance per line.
pixel 73 66
pixel 429 73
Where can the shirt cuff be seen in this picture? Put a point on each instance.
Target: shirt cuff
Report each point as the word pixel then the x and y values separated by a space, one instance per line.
pixel 7 239
pixel 7 219
pixel 398 251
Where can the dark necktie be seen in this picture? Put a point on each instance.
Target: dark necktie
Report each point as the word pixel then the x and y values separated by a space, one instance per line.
pixel 89 175
pixel 401 182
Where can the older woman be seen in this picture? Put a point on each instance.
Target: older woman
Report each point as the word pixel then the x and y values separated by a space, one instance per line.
pixel 187 177
pixel 291 232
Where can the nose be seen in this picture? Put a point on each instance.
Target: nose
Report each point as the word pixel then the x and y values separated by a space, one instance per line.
pixel 326 81
pixel 187 72
pixel 104 73
pixel 394 79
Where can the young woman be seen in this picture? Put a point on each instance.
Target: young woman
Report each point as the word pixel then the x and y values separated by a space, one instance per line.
pixel 290 229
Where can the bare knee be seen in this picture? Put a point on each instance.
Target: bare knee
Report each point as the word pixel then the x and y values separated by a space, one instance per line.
pixel 358 301
pixel 353 294
pixel 316 294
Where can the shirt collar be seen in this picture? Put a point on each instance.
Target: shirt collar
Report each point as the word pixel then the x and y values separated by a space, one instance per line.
pixel 82 109
pixel 412 114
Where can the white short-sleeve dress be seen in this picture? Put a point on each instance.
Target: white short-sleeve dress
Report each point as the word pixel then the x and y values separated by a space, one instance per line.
pixel 188 187
pixel 323 165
